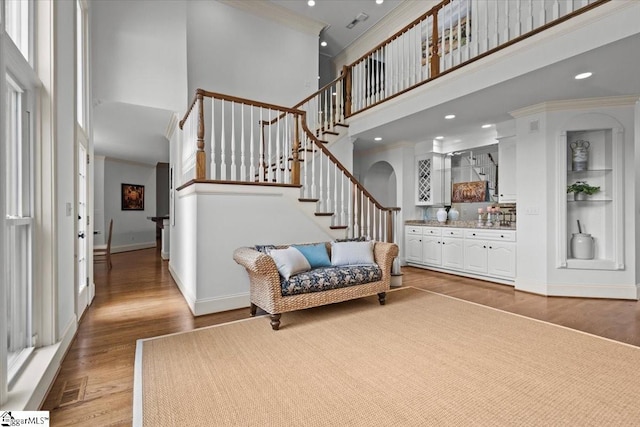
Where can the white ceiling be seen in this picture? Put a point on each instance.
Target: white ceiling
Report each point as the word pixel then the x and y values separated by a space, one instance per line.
pixel 335 15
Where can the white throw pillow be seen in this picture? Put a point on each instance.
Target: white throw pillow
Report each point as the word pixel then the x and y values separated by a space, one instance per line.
pixel 352 253
pixel 289 261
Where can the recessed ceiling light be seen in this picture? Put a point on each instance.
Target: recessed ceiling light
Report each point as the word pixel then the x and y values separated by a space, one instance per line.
pixel 450 116
pixel 488 125
pixel 323 43
pixel 379 1
pixel 377 138
pixel 440 137
pixel 311 3
pixel 583 76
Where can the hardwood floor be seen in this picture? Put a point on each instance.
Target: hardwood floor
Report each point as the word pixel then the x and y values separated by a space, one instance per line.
pixel 138 299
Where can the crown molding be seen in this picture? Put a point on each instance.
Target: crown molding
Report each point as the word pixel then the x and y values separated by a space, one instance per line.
pixel 577 104
pixel 279 14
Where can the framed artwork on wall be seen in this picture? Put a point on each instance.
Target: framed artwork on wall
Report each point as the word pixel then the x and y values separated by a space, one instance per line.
pixel 132 197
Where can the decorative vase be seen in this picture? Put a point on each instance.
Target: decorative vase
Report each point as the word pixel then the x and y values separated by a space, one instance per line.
pixel 580 196
pixel 582 246
pixel 441 215
pixel 580 155
pixel 453 214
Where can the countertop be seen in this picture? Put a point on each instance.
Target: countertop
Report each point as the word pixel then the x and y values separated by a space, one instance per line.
pixel 458 224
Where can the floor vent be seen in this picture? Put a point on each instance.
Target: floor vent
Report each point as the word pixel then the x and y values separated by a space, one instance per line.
pixel 72 391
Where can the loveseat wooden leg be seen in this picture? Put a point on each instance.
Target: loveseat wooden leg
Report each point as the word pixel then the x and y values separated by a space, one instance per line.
pixel 275 321
pixel 382 296
pixel 254 309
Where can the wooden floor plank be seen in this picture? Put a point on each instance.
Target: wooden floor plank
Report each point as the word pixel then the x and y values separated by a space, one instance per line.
pixel 138 299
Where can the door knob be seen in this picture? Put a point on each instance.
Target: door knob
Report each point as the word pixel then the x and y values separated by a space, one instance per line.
pixel 81 235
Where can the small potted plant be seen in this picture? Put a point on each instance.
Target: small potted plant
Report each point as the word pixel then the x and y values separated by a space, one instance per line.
pixel 581 190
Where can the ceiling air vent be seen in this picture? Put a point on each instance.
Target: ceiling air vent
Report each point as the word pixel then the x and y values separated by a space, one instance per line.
pixel 359 18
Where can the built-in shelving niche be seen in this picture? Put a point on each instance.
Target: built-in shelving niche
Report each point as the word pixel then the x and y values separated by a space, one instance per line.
pixel 601 214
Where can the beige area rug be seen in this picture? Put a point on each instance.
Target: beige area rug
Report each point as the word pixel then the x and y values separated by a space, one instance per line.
pixel 423 359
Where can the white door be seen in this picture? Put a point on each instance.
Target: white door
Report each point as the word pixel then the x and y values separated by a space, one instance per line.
pixel 414 247
pixel 82 235
pixel 431 250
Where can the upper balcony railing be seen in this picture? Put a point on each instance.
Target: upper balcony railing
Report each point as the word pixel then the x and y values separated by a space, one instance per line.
pixel 452 34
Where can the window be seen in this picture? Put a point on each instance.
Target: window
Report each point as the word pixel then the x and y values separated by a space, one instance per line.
pixel 17 20
pixel 81 63
pixel 19 227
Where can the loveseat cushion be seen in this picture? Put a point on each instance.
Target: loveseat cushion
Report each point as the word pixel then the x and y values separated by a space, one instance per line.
pixel 325 278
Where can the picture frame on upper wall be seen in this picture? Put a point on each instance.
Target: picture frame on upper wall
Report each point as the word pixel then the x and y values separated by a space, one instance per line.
pixel 132 197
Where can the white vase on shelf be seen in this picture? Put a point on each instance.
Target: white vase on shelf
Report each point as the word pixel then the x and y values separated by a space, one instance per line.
pixel 441 215
pixel 453 214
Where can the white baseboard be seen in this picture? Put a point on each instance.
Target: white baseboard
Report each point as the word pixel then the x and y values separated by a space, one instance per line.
pixel 222 303
pixel 164 255
pixel 132 247
pixel 200 307
pixel 31 388
pixel 190 299
pixel 594 291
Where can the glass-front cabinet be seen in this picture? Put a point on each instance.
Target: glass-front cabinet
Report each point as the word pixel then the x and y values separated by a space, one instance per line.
pixel 429 179
pixel 590 195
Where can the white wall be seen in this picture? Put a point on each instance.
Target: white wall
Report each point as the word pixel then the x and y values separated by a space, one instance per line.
pixel 237 53
pixel 213 220
pixel 142 56
pixel 131 229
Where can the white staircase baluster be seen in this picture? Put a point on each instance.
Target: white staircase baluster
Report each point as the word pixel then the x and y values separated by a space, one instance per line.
pixel 506 23
pixel 233 141
pixel 518 28
pixel 555 10
pixel 270 171
pixel 212 173
pixel 278 159
pixel 459 42
pixel 496 31
pixel 261 162
pixel 356 213
pixel 335 195
pixel 252 168
pixel 343 212
pixel 328 205
pixel 530 17
pixel 223 159
pixel 243 167
pixel 313 172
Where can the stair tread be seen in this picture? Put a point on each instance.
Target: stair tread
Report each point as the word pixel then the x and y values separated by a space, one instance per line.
pixel 342 124
pixel 308 200
pixel 324 214
pixel 338 227
pixel 330 132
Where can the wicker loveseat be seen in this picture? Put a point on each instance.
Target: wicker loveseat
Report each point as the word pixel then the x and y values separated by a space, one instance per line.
pixel 319 286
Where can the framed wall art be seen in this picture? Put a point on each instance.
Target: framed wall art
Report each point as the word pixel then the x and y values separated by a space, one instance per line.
pixel 132 197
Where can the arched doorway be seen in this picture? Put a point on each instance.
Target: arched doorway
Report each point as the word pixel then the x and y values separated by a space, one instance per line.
pixel 380 181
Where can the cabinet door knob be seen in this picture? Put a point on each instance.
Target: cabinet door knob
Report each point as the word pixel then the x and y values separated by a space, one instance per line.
pixel 502 236
pixel 490 247
pixel 485 247
pixel 474 234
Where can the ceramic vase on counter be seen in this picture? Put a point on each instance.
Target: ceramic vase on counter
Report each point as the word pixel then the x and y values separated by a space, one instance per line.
pixel 441 215
pixel 453 214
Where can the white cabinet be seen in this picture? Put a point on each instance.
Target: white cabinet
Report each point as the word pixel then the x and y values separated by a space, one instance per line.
pixel 501 259
pixel 490 252
pixel 413 244
pixel 429 179
pixel 453 248
pixel 468 251
pixel 431 252
pixel 507 170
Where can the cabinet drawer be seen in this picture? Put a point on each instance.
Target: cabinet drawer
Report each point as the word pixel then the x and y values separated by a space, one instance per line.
pixel 452 232
pixel 431 231
pixel 410 229
pixel 502 235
